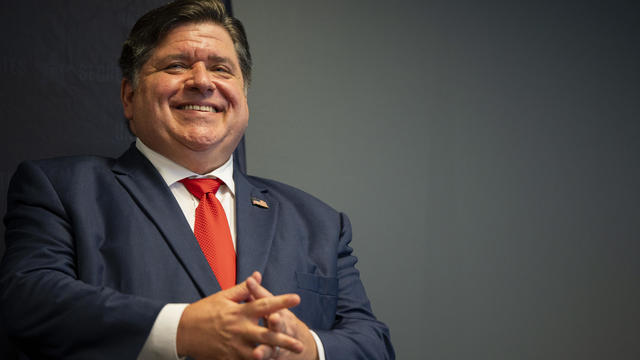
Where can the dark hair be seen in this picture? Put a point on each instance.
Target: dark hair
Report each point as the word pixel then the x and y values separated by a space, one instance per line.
pixel 153 26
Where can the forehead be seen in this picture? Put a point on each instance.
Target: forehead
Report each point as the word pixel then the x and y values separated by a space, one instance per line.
pixel 196 40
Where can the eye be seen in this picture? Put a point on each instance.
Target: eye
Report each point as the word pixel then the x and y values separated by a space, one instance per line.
pixel 176 66
pixel 220 68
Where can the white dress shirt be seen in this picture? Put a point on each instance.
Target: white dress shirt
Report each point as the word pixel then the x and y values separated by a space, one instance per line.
pixel 161 342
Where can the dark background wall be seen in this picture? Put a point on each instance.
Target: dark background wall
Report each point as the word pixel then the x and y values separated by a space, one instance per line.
pixel 60 88
pixel 486 151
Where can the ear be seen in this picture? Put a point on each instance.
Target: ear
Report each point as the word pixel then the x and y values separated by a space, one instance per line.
pixel 126 96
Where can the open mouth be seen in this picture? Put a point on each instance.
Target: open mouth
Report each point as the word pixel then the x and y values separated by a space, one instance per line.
pixel 203 108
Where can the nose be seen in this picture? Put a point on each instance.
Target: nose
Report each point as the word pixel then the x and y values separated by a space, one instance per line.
pixel 200 80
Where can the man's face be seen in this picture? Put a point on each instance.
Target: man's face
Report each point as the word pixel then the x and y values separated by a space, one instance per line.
pixel 189 104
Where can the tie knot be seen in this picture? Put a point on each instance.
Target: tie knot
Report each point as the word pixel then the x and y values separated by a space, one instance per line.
pixel 200 187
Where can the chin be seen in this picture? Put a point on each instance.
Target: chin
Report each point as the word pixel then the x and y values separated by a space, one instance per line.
pixel 202 143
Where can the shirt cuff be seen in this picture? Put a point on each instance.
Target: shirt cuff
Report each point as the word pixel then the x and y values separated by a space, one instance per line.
pixel 161 342
pixel 318 345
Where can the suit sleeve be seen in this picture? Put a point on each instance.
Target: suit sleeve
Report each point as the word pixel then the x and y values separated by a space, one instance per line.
pixel 356 333
pixel 48 311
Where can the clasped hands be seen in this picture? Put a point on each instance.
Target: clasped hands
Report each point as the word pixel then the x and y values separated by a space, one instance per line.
pixel 225 325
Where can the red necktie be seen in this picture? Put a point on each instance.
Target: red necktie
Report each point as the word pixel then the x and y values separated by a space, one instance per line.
pixel 212 230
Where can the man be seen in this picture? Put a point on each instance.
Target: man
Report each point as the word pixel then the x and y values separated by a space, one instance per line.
pixel 111 258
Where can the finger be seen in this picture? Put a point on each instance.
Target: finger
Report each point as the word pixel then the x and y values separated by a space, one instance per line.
pixel 275 322
pixel 263 352
pixel 237 293
pixel 240 292
pixel 263 307
pixel 272 339
pixel 257 290
pixel 257 276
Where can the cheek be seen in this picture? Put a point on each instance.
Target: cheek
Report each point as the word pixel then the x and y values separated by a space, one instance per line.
pixel 233 92
pixel 150 107
pixel 167 87
pixel 158 93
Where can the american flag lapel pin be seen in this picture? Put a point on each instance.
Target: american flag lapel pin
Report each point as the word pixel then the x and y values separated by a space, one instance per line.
pixel 259 202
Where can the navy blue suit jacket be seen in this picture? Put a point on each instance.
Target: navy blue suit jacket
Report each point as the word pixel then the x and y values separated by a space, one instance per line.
pixel 95 247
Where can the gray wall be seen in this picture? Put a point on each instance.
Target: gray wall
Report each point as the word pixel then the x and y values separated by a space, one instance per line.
pixel 486 153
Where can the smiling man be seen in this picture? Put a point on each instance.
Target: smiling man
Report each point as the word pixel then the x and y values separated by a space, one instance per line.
pixel 188 101
pixel 168 251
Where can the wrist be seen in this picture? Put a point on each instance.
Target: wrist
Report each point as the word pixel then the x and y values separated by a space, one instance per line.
pixel 182 335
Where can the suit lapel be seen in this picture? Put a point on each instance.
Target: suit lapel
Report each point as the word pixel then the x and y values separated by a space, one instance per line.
pixel 145 185
pixel 255 224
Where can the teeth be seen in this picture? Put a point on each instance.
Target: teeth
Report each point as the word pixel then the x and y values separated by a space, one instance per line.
pixel 199 108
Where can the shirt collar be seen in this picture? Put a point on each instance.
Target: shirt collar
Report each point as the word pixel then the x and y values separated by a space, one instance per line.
pixel 172 172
